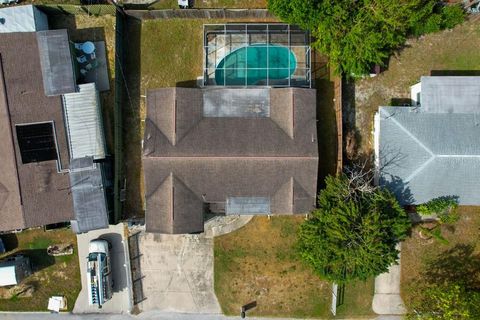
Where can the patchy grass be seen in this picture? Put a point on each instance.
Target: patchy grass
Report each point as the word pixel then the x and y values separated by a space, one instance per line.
pixel 51 275
pixel 259 262
pixel 241 4
pixel 357 300
pixel 436 53
pixel 460 258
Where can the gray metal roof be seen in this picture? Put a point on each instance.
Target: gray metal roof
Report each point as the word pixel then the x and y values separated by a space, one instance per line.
pixel 56 62
pixel 83 120
pixel 427 155
pixel 248 205
pixel 244 103
pixel 89 199
pixel 22 19
pixel 450 94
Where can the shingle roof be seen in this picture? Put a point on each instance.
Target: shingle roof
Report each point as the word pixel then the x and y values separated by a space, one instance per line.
pixel 428 155
pixel 44 193
pixel 191 160
pixel 450 94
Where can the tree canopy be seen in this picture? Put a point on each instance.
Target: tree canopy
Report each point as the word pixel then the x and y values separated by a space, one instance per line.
pixel 357 34
pixel 353 233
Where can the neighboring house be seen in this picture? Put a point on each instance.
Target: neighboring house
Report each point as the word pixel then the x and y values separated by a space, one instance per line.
pixel 52 143
pixel 26 18
pixel 433 149
pixel 228 152
pixel 14 269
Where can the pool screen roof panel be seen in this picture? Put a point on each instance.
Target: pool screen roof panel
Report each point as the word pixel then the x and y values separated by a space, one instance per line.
pixel 272 54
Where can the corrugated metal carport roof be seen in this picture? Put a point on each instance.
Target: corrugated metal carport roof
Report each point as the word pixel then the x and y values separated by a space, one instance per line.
pixel 83 119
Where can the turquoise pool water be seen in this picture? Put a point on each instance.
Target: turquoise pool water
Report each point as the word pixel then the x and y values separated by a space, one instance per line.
pixel 248 65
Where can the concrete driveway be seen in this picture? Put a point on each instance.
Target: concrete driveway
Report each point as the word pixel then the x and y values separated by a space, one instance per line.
pixel 177 273
pixel 121 299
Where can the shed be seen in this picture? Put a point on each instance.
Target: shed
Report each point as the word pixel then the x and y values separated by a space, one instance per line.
pixel 22 19
pixel 13 270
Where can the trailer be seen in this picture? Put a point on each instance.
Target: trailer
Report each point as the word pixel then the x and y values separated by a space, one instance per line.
pixel 99 273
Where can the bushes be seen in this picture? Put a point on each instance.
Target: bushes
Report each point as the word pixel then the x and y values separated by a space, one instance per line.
pixel 444 17
pixel 443 207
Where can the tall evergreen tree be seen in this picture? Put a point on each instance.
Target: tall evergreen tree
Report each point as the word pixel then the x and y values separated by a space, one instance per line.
pixel 353 233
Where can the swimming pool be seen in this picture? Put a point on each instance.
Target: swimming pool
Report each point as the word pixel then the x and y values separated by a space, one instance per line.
pixel 253 64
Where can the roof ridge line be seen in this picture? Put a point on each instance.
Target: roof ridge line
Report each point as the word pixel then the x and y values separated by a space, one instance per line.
pixel 407 132
pixel 419 169
pixel 458 156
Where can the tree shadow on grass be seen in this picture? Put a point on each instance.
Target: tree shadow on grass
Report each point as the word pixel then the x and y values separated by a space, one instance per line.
pixel 458 265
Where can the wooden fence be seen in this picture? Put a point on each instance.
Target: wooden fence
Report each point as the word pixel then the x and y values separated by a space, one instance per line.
pixel 200 14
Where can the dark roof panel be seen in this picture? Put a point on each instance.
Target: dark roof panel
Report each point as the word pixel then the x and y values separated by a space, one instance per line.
pixel 56 62
pixel 89 200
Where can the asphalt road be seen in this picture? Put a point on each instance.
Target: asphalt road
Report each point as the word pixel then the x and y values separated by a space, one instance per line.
pixel 121 299
pixel 143 316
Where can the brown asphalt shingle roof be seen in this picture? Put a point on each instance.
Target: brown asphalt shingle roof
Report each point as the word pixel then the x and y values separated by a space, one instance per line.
pixel 190 159
pixel 43 193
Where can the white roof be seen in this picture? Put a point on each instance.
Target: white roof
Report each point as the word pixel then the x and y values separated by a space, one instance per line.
pixel 83 120
pixel 22 19
pixel 8 276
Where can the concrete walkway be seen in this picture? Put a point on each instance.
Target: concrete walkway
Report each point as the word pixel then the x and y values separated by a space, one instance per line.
pixel 387 299
pixel 225 224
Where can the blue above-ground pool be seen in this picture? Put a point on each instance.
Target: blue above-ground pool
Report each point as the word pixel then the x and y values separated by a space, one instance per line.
pixel 252 64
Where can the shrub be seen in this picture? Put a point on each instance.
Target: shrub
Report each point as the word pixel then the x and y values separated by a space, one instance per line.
pixel 452 15
pixel 443 207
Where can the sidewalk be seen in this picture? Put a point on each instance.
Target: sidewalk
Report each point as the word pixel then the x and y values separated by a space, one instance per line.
pixel 387 299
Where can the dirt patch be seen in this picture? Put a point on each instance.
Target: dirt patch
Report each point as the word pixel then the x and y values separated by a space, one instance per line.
pixel 259 262
pixel 423 258
pixel 448 52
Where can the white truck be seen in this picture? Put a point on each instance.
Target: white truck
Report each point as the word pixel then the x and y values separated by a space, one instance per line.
pixel 99 272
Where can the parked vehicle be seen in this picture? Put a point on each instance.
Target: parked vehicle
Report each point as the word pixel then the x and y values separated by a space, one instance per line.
pixel 99 273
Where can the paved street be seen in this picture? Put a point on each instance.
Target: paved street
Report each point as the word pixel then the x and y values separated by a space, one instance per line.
pixel 178 273
pixel 120 302
pixel 157 315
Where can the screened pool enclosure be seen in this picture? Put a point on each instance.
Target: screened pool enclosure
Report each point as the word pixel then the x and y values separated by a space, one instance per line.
pixel 276 55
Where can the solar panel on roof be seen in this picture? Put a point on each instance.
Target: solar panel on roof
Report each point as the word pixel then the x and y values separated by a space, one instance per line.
pixel 36 142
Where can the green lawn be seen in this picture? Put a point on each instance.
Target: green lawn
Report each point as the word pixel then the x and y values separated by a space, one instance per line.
pixel 427 261
pixel 51 276
pixel 259 262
